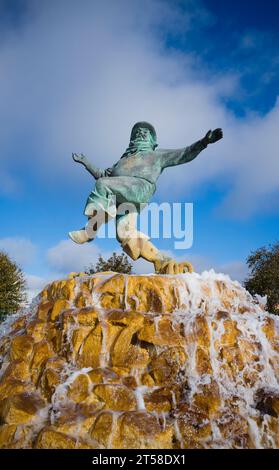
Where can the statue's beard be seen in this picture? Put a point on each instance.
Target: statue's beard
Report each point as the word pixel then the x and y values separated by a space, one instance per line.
pixel 139 145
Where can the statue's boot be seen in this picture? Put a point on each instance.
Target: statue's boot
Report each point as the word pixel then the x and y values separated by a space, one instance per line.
pixel 143 248
pixel 170 266
pixel 80 236
pixel 88 233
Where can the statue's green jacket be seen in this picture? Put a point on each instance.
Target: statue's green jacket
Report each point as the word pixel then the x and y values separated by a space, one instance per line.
pixel 133 178
pixel 149 165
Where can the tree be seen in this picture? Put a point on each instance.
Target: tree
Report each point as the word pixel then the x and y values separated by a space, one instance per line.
pixel 264 276
pixel 12 286
pixel 118 263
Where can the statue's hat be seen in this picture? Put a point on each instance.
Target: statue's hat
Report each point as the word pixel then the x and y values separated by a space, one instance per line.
pixel 144 125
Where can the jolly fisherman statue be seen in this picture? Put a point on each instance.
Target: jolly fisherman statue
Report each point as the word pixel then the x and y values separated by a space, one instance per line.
pixel 124 189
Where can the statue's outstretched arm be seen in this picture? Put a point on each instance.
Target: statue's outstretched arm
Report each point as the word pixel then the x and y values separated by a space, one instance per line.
pixel 92 169
pixel 187 154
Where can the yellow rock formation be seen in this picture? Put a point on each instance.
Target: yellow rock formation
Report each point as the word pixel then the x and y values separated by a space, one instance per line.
pixel 118 361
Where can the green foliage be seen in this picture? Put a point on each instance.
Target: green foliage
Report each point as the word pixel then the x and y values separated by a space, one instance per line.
pixel 12 286
pixel 118 263
pixel 264 275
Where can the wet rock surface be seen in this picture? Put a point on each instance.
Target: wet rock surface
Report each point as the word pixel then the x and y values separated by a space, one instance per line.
pixel 121 361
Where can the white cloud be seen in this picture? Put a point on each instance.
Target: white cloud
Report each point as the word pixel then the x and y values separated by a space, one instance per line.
pixel 141 266
pixel 34 285
pixel 76 79
pixel 20 249
pixel 237 270
pixel 66 256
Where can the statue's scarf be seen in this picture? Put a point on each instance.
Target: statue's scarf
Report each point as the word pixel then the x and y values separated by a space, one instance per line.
pixel 140 145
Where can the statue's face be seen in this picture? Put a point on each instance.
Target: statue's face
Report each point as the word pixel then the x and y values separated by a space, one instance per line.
pixel 143 134
pixel 142 140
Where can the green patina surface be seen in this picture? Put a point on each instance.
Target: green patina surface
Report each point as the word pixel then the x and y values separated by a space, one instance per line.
pixel 132 181
pixel 133 178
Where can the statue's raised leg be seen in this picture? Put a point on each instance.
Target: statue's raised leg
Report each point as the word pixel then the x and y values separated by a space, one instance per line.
pixel 88 233
pixel 137 245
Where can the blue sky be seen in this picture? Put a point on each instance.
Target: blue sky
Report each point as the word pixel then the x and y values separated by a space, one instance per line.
pixel 75 76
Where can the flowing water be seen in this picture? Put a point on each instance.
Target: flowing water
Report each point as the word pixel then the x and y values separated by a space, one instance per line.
pixel 213 359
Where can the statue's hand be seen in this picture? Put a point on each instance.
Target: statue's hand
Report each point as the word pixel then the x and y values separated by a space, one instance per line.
pixel 213 136
pixel 79 158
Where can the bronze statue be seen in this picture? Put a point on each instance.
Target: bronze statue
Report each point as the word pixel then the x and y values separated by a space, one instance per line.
pixel 132 181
